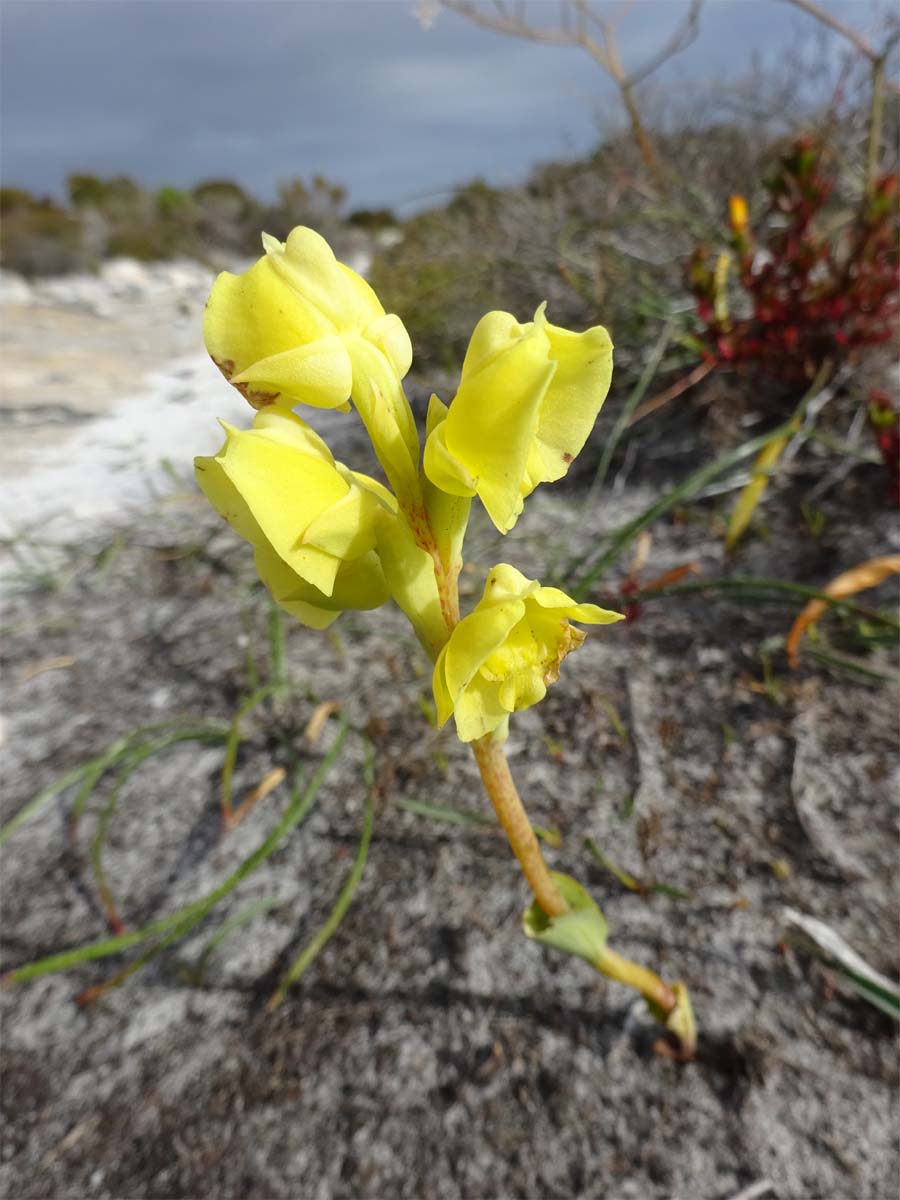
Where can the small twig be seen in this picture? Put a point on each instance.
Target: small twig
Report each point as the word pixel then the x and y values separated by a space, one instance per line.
pixel 271 780
pixel 623 421
pixel 680 40
pixel 852 35
pixel 573 29
pixel 761 1188
pixel 842 469
pixel 672 393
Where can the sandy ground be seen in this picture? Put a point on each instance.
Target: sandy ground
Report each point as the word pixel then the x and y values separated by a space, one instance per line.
pixel 430 1051
pixel 102 385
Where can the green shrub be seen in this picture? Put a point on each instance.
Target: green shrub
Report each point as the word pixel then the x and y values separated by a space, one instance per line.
pixel 41 240
pixel 112 197
pixel 13 199
pixel 373 220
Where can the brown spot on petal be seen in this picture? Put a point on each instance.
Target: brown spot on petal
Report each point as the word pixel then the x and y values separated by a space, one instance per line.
pixel 256 400
pixel 571 640
pixel 567 457
pixel 225 365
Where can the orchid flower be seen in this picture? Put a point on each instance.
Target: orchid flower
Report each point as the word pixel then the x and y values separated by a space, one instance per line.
pixel 301 328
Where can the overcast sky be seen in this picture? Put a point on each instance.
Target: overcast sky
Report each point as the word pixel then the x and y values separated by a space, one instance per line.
pixel 176 91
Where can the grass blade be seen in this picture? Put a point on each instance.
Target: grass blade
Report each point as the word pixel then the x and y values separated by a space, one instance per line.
pixel 177 924
pixel 345 897
pixel 470 816
pixel 831 948
pixel 688 487
pixel 694 483
pixel 34 806
pixel 759 588
pixel 277 659
pixel 88 773
pixel 850 666
pixel 138 755
pixel 451 816
pixel 752 493
pixel 766 463
pixel 234 740
pixel 195 973
pixel 638 886
pixel 637 394
pixel 626 880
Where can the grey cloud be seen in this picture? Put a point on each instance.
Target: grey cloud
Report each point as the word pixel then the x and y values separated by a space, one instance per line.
pixel 257 90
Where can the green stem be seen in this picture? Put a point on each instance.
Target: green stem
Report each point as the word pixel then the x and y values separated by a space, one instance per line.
pixel 876 117
pixel 633 975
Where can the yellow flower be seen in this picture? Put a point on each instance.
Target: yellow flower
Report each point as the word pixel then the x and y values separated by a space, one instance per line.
pixel 283 332
pixel 311 521
pixel 737 213
pixel 528 398
pixel 503 656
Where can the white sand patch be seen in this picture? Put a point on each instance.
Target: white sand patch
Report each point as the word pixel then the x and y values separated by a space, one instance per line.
pixel 117 461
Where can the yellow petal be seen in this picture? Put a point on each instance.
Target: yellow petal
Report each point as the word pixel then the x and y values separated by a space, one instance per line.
pixel 346 528
pixel 318 373
pixel 448 513
pixel 387 499
pixel 381 402
pixel 358 585
pixel 225 498
pixel 494 333
pixel 436 415
pixel 285 491
pixel 475 638
pixel 504 582
pixel 587 614
pixel 389 334
pixel 479 712
pixel 570 406
pixel 521 689
pixel 285 426
pixel 443 469
pixel 493 418
pixel 443 701
pixel 366 305
pixel 254 316
pixel 307 265
pixel 310 614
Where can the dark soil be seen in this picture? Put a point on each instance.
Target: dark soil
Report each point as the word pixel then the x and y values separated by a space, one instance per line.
pixel 430 1050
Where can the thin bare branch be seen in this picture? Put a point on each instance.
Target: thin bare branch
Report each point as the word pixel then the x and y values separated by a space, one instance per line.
pixel 846 31
pixel 577 20
pixel 680 39
pixel 504 20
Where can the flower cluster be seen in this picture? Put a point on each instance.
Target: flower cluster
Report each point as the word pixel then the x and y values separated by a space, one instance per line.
pixel 299 327
pixel 809 291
